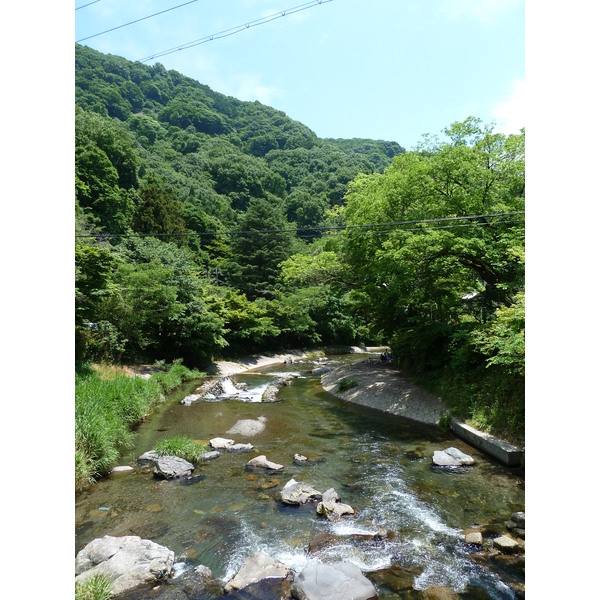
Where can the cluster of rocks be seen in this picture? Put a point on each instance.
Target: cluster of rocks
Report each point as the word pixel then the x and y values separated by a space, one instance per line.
pixel 296 493
pixel 503 543
pixel 135 567
pixel 214 389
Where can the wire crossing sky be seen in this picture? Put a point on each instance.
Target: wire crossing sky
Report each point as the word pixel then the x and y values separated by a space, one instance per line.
pixel 383 69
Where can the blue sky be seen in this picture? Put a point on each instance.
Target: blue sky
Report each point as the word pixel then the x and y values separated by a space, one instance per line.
pixel 382 69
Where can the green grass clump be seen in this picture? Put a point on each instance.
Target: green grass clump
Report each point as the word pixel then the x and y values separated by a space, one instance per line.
pixel 180 446
pixel 108 405
pixel 97 587
pixel 346 384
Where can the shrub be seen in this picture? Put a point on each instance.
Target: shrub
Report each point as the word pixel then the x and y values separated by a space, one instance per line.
pixel 347 384
pixel 97 587
pixel 180 446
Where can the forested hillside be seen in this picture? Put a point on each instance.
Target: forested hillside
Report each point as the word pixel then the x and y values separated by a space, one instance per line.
pixel 208 226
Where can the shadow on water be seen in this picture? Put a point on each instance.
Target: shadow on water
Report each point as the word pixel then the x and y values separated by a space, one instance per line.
pixel 378 463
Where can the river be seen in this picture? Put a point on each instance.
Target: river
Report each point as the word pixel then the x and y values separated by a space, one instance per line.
pixel 378 463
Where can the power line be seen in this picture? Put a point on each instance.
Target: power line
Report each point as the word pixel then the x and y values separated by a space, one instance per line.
pixel 88 4
pixel 391 226
pixel 136 21
pixel 237 29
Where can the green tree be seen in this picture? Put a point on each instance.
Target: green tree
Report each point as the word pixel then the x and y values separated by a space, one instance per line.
pixel 267 241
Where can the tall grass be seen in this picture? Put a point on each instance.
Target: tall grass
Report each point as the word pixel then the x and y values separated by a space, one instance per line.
pixel 97 587
pixel 180 446
pixel 108 405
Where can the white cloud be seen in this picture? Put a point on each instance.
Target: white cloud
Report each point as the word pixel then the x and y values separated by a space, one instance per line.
pixel 509 114
pixel 247 86
pixel 480 10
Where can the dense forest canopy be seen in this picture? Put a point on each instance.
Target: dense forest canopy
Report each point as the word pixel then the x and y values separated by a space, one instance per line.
pixel 207 225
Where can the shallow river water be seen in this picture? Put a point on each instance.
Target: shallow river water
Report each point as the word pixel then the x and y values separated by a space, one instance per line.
pixel 378 463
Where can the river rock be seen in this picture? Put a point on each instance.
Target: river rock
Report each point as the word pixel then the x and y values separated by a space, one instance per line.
pixel 248 427
pixel 210 390
pixel 239 448
pixel 452 457
pixel 300 459
pixel 149 457
pixel 321 370
pixel 398 579
pixel 295 493
pixel 210 455
pixel 219 443
pixel 122 469
pixel 261 462
pixel 474 537
pixel 127 561
pixel 518 518
pixel 506 545
pixel 438 592
pixel 190 398
pixel 323 540
pixel 331 506
pixel 257 567
pixel 171 467
pixel 337 581
pixel 270 394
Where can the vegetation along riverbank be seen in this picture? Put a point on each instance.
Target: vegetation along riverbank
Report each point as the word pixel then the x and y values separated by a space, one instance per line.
pixel 109 403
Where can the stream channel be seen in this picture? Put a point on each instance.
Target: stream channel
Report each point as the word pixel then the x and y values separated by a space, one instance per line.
pixel 378 463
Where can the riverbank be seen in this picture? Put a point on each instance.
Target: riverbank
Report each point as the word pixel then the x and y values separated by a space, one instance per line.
pixel 380 386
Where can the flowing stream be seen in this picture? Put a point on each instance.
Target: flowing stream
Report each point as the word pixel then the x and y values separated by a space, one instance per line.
pixel 378 463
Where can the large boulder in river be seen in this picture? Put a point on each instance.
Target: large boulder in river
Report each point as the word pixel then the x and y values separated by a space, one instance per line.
pixel 337 581
pixel 171 467
pixel 452 457
pixel 295 493
pixel 257 567
pixel 127 561
pixel 261 462
pixel 248 427
pixel 331 506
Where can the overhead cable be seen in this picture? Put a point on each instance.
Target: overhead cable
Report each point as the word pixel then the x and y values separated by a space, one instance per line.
pixel 237 29
pixel 369 227
pixel 136 21
pixel 88 4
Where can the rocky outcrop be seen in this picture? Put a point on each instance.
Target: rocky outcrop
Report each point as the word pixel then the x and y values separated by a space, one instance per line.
pixel 257 567
pixel 452 457
pixel 295 493
pixel 171 467
pixel 248 427
pixel 337 581
pixel 127 561
pixel 331 506
pixel 261 462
